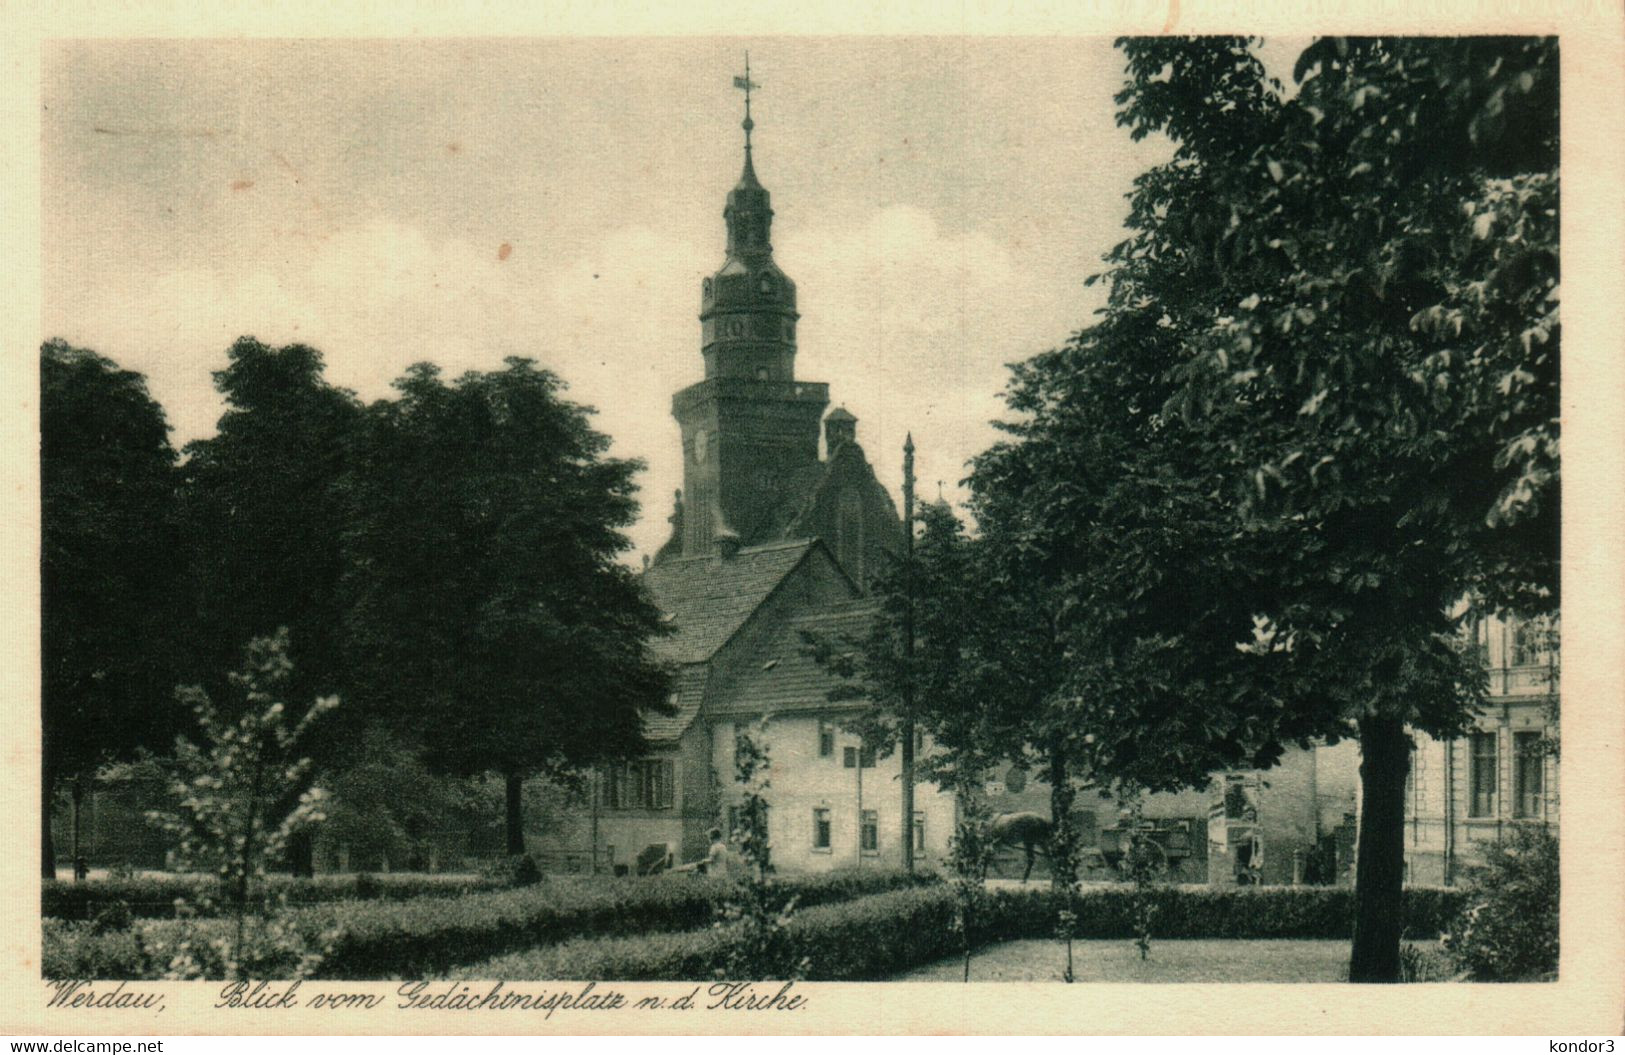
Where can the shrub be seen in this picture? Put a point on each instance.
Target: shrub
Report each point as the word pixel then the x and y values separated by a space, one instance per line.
pixel 378 939
pixel 876 937
pixel 1507 931
pixel 114 916
pixel 515 870
pixel 1215 912
pixel 868 938
pixel 76 950
pixel 154 897
pixel 1420 963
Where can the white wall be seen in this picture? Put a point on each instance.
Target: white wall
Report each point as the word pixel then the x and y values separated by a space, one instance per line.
pixel 802 781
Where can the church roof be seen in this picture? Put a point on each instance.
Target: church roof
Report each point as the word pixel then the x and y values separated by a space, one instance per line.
pixel 708 599
pixel 786 676
pixel 688 692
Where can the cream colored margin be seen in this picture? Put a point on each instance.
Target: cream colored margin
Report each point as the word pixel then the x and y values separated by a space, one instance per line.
pixel 1586 1001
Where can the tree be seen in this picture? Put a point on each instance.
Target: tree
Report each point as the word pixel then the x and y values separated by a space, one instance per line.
pixel 108 570
pixel 756 909
pixel 486 612
pixel 264 512
pixel 264 515
pixel 232 811
pixel 1318 410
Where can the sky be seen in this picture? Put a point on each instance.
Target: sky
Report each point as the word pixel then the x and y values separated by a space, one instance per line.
pixel 938 201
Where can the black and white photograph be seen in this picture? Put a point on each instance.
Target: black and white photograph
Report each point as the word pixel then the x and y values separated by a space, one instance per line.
pixel 534 523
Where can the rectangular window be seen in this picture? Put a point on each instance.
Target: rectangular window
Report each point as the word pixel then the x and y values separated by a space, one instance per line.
pixel 1484 774
pixel 664 775
pixel 849 757
pixel 826 740
pixel 919 832
pixel 820 829
pixel 919 742
pixel 644 785
pixel 1530 777
pixel 866 757
pixel 1520 652
pixel 869 833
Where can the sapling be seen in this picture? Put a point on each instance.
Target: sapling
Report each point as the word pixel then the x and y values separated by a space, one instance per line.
pixel 239 797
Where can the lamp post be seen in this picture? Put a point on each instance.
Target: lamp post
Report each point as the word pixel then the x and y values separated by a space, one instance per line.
pixel 908 654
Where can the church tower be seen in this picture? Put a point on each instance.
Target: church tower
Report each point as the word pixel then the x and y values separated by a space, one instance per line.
pixel 749 427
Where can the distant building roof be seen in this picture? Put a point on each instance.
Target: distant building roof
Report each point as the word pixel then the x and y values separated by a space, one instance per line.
pixel 688 692
pixel 788 677
pixel 708 599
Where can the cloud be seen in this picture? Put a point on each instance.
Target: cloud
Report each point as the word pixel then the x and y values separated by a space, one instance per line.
pixel 908 322
pixel 912 325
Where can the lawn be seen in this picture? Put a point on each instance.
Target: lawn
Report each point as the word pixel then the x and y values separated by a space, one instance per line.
pixel 1173 960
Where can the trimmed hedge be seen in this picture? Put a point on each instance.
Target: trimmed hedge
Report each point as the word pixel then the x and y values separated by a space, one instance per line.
pixel 1217 912
pixel 424 936
pixel 877 937
pixel 869 938
pixel 153 897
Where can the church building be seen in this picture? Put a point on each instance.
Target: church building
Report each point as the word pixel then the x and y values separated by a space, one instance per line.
pixel 779 530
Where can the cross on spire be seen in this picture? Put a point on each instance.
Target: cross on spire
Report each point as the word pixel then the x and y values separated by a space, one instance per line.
pixel 747 84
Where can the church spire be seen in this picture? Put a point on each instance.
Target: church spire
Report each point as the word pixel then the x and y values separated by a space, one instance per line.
pixel 748 177
pixel 748 307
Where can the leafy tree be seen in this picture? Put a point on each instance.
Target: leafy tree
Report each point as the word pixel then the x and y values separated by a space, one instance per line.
pixel 486 613
pixel 1318 410
pixel 108 570
pixel 970 852
pixel 264 513
pixel 231 812
pixel 757 908
pixel 385 804
pixel 953 675
pixel 263 517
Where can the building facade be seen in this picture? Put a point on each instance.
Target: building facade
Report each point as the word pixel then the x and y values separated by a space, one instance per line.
pixel 1474 791
pixel 779 530
pixel 777 533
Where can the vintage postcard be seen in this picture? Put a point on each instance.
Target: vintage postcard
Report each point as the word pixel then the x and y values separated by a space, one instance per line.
pixel 782 520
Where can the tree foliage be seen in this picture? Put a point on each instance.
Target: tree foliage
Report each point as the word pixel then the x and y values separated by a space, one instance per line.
pixel 1318 409
pixel 108 566
pixel 485 611
pixel 264 513
pixel 959 699
pixel 239 798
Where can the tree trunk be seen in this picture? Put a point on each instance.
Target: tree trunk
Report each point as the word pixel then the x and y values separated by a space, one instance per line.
pixel 516 818
pixel 78 791
pixel 1061 796
pixel 1379 876
pixel 47 844
pixel 302 854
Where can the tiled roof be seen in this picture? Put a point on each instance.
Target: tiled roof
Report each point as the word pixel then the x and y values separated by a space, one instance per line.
pixel 797 489
pixel 688 690
pixel 783 676
pixel 708 599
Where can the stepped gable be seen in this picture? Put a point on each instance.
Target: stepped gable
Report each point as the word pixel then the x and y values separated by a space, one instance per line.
pixel 708 598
